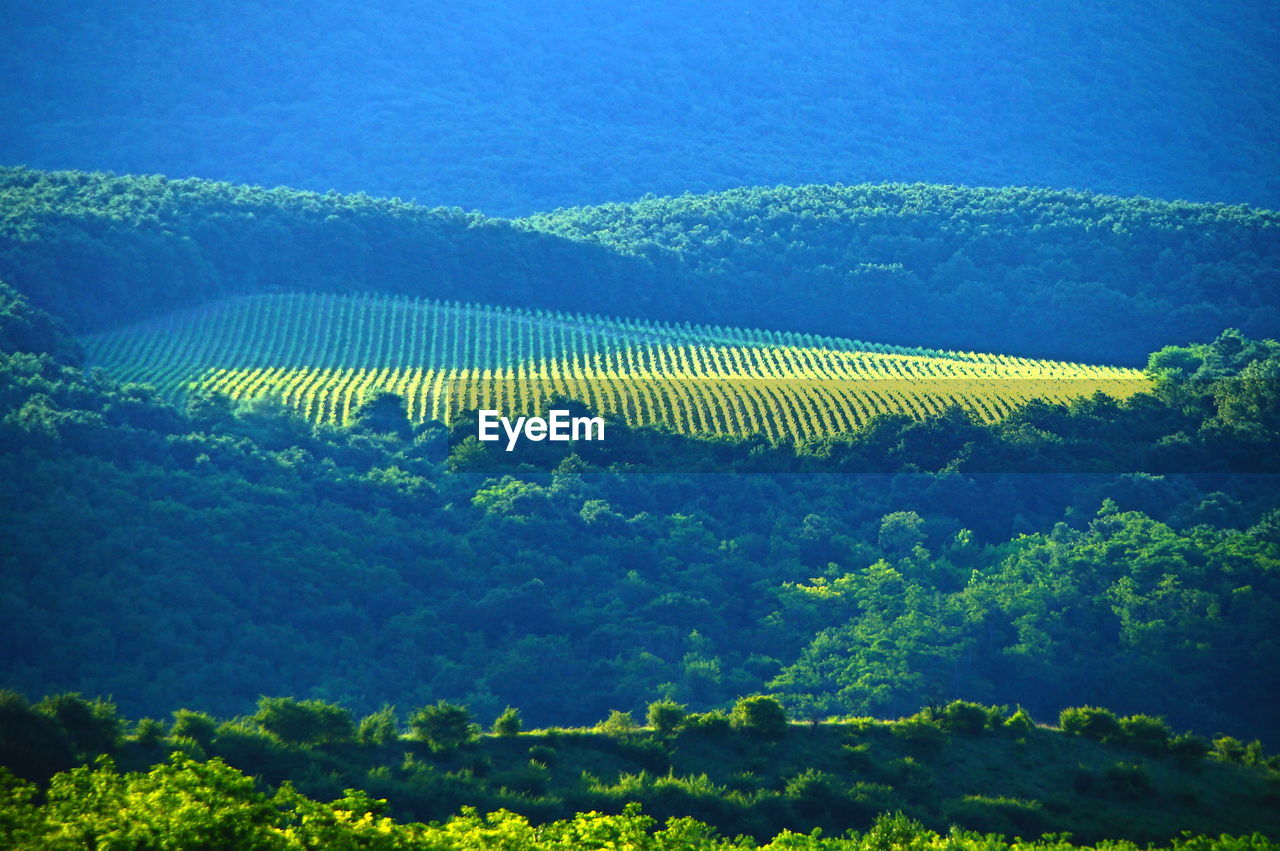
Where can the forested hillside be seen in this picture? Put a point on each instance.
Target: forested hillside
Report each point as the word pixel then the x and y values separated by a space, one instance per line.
pixel 1033 272
pixel 1024 272
pixel 179 533
pixel 510 106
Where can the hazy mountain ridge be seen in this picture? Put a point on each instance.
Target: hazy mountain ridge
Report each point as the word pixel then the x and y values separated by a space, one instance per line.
pixel 509 107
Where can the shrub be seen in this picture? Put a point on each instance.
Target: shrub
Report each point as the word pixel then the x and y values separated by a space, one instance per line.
pixel 1228 749
pixel 1146 733
pixel 444 726
pixel 32 744
pixel 909 773
pixel 148 731
pixel 1090 722
pixel 198 726
pixel 961 716
pixel 1128 780
pixel 618 724
pixel 1020 723
pixel 1188 747
pixel 508 723
pixel 920 730
pixel 857 757
pixel 997 814
pixel 759 714
pixel 94 726
pixel 543 754
pixel 712 724
pixel 304 722
pixel 379 728
pixel 665 716
pixel 813 793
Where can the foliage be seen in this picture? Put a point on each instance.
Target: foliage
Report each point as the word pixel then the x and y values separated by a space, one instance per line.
pixel 829 775
pixel 665 716
pixel 617 724
pixel 1011 270
pixel 508 722
pixel 443 725
pixel 304 722
pixel 759 714
pixel 513 106
pixel 379 728
pixel 186 804
pixel 1090 722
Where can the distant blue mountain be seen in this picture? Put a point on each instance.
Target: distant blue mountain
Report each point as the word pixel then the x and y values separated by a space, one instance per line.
pixel 512 106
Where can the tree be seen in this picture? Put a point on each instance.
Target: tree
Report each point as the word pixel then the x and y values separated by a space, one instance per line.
pixel 198 726
pixel 383 413
pixel 618 724
pixel 759 714
pixel 444 726
pixel 508 723
pixel 379 728
pixel 901 532
pixel 304 722
pixel 94 725
pixel 665 716
pixel 1090 722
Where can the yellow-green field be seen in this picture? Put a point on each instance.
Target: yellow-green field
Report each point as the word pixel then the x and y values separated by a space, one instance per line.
pixel 321 354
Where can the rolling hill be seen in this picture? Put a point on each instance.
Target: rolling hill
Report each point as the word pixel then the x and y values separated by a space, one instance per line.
pixel 1036 273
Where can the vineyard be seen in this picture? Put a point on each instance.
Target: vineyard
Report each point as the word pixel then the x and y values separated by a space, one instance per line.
pixel 321 354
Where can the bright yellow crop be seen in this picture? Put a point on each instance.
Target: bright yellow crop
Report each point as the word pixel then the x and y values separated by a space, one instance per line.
pixel 322 354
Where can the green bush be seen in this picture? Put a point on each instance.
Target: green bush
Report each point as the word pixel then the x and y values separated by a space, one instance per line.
pixel 997 814
pixel 95 727
pixel 304 722
pixel 543 754
pixel 1020 723
pixel 1188 747
pixel 198 726
pixel 920 730
pixel 857 757
pixel 759 714
pixel 1228 749
pixel 1146 733
pixel 618 724
pixel 148 731
pixel 380 728
pixel 444 726
pixel 712 724
pixel 508 723
pixel 962 716
pixel 814 793
pixel 665 716
pixel 1128 780
pixel 1090 722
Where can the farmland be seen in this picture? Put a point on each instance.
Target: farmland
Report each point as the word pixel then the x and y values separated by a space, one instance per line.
pixel 322 354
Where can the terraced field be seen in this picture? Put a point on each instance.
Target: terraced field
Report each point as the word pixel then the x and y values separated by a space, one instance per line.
pixel 321 354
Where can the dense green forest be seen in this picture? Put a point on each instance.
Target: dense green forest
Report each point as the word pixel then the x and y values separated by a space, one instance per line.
pixel 511 106
pixel 1028 272
pixel 1109 582
pixel 746 771
pixel 1110 553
